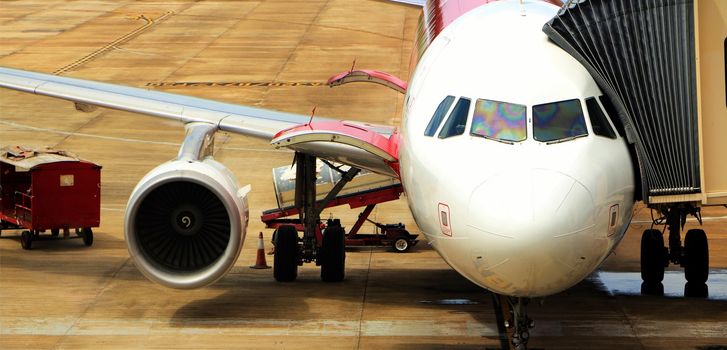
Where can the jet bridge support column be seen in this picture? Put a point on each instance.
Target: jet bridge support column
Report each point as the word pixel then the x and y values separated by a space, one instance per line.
pixel 674 219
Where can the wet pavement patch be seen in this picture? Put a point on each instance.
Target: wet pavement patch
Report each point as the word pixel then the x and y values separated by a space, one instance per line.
pixel 629 283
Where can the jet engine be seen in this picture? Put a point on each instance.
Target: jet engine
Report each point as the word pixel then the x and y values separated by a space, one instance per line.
pixel 185 223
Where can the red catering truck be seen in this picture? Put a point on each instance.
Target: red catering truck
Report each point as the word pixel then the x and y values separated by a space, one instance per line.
pixel 49 190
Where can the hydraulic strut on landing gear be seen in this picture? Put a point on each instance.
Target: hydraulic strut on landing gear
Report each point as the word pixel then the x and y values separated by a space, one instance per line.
pixel 326 248
pixel 693 256
pixel 514 323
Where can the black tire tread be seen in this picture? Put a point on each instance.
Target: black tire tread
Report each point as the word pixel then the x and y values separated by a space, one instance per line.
pixel 87 235
pixel 653 258
pixel 26 240
pixel 333 255
pixel 285 260
pixel 696 253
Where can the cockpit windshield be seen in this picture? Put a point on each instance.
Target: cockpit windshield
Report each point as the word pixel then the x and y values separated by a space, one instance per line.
pixel 558 121
pixel 499 121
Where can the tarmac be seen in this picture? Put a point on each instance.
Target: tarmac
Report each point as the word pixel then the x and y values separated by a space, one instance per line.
pixel 278 55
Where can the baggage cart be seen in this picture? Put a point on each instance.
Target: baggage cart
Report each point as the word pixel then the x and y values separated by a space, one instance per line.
pixel 48 191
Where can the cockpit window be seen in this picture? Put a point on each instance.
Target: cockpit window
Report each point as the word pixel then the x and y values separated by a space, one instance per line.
pixel 457 119
pixel 599 123
pixel 438 116
pixel 558 121
pixel 611 111
pixel 499 120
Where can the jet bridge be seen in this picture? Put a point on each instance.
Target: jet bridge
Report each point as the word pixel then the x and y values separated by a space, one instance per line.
pixel 645 56
pixel 662 65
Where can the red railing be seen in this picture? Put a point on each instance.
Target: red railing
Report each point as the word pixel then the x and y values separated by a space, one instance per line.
pixel 24 207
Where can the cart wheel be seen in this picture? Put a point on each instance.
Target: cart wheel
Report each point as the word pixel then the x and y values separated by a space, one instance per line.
pixel 87 235
pixel 26 240
pixel 55 232
pixel 401 244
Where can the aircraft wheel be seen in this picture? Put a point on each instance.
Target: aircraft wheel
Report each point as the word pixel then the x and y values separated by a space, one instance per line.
pixel 87 235
pixel 333 254
pixel 285 261
pixel 26 240
pixel 653 257
pixel 55 232
pixel 696 290
pixel 652 288
pixel 696 254
pixel 401 244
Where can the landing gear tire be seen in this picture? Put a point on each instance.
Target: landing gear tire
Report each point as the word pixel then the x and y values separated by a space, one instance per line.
pixel 653 256
pixel 333 254
pixel 26 240
pixel 653 261
pixel 652 288
pixel 401 244
pixel 696 264
pixel 87 235
pixel 285 261
pixel 55 232
pixel 696 290
pixel 696 255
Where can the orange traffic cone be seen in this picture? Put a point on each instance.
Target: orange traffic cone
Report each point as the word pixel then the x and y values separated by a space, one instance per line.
pixel 260 261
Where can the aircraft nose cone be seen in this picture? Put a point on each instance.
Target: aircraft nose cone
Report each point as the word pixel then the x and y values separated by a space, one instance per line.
pixel 536 229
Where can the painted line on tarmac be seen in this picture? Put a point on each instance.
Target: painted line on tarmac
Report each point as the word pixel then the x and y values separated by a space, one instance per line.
pixel 113 209
pixel 112 45
pixel 235 83
pixel 257 327
pixel 123 139
pixel 61 326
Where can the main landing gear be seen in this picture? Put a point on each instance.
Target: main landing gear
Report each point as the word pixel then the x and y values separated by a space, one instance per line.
pixel 693 256
pixel 514 324
pixel 326 248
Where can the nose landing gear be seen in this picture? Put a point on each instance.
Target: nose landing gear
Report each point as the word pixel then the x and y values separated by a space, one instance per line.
pixel 693 256
pixel 514 324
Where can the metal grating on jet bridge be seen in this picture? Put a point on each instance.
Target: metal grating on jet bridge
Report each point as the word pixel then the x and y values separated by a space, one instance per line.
pixel 641 54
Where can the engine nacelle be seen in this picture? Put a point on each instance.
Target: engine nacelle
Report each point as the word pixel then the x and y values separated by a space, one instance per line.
pixel 185 223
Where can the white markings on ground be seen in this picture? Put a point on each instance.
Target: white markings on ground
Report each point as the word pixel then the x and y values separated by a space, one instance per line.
pixel 113 209
pixel 59 326
pixel 258 327
pixel 629 283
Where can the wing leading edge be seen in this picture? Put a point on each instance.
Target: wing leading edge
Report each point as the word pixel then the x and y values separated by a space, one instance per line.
pixel 255 122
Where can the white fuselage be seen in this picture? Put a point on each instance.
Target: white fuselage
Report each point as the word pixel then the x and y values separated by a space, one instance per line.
pixel 525 218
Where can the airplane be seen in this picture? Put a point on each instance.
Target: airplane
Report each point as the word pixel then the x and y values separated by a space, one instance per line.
pixel 510 155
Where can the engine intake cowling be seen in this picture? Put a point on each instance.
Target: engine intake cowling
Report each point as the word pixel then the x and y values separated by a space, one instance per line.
pixel 185 223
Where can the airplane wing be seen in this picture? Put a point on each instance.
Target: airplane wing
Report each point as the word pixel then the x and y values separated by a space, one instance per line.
pixel 340 141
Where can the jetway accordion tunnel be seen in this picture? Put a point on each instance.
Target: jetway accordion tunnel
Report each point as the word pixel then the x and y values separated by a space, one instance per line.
pixel 642 55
